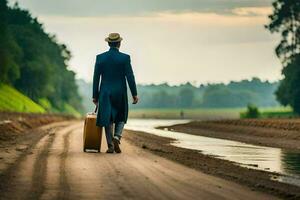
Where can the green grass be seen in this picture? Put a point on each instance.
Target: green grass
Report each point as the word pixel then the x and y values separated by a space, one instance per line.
pixel 208 113
pixel 274 112
pixel 14 101
pixel 276 109
pixel 68 109
pixel 278 112
pixel 191 113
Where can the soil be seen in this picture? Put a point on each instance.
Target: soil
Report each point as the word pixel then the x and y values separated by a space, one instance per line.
pixel 57 168
pixel 19 131
pixel 13 125
pixel 255 179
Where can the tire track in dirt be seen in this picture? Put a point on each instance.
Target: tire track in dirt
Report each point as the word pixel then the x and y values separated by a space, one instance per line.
pixel 40 170
pixel 57 184
pixel 40 173
pixel 29 177
pixel 15 183
pixel 63 181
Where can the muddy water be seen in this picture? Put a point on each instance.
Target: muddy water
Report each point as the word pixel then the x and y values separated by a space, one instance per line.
pixel 252 156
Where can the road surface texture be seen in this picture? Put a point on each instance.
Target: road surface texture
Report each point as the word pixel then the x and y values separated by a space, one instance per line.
pixel 57 168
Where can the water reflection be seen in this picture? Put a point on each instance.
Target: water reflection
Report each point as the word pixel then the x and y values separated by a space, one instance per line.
pixel 247 155
pixel 291 162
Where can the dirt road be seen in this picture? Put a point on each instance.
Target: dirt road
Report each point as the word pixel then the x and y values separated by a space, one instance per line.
pixel 56 168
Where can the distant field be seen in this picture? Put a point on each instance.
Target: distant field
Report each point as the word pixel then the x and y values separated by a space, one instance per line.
pixel 13 100
pixel 205 113
pixel 198 113
pixel 279 112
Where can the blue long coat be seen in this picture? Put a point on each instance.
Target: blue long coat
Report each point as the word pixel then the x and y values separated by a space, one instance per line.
pixel 114 68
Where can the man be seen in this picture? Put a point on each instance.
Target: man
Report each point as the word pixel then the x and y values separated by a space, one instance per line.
pixel 114 68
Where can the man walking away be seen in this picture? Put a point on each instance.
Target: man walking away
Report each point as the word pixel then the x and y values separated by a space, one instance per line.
pixel 114 68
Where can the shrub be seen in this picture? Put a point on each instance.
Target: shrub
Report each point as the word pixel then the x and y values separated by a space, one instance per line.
pixel 252 112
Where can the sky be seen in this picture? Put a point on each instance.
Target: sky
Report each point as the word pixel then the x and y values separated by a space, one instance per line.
pixel 174 41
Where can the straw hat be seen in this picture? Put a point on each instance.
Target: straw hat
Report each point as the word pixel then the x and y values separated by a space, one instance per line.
pixel 114 37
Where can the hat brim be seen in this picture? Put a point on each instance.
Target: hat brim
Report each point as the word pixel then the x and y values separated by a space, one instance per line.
pixel 109 40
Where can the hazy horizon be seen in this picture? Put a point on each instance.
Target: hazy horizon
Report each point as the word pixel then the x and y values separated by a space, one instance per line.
pixel 169 41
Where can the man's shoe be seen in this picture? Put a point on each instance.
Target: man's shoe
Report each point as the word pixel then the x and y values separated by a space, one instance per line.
pixel 116 142
pixel 110 150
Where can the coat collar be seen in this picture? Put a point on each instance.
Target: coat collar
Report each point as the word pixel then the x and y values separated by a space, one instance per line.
pixel 113 49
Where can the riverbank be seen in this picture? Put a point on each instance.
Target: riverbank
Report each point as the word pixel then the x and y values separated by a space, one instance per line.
pixel 255 179
pixel 281 133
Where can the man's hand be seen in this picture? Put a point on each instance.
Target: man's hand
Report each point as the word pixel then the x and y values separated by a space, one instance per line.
pixel 135 99
pixel 95 101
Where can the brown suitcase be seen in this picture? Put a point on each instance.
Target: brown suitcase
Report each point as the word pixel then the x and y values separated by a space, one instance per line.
pixel 92 134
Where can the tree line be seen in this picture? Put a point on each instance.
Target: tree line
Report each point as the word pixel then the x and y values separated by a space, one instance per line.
pixel 285 20
pixel 34 62
pixel 233 94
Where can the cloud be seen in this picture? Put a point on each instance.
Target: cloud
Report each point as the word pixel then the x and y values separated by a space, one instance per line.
pixel 252 11
pixel 175 47
pixel 134 7
pixel 169 40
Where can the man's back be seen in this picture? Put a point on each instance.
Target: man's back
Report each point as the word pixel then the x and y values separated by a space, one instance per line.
pixel 112 65
pixel 114 68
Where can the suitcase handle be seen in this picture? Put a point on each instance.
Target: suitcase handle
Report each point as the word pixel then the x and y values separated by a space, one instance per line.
pixel 96 109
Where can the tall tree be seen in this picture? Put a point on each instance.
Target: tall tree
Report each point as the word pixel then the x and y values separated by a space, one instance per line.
pixel 286 21
pixel 33 61
pixel 9 50
pixel 3 37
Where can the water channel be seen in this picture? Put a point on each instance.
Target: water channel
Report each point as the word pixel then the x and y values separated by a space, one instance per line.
pixel 277 160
